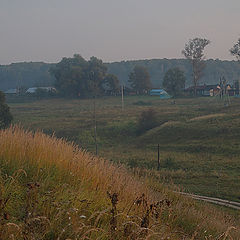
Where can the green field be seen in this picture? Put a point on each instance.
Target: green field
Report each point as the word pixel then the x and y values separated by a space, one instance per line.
pixel 199 137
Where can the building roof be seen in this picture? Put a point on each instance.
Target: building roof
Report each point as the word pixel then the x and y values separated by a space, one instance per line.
pixel 33 89
pixel 204 87
pixel 160 91
pixel 11 91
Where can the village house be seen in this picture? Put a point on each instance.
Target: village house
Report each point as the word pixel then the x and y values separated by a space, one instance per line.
pixel 34 89
pixel 12 91
pixel 204 90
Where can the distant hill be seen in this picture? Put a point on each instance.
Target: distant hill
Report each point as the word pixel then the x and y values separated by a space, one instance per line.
pixel 34 74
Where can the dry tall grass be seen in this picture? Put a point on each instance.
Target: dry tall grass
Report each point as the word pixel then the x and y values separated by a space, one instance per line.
pixel 51 189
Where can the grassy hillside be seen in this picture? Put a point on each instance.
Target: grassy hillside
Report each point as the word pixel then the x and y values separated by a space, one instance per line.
pixel 199 138
pixel 51 189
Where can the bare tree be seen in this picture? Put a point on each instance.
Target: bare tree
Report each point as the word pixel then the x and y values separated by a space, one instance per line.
pixel 193 51
pixel 235 50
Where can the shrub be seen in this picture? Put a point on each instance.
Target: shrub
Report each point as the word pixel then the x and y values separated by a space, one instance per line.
pixel 5 115
pixel 147 120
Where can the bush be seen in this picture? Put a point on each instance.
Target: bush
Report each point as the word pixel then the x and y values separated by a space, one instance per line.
pixel 5 115
pixel 147 120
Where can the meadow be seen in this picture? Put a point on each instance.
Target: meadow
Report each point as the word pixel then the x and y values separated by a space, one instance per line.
pixel 199 137
pixel 52 190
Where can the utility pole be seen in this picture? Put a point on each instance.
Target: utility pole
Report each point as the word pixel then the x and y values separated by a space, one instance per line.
pixel 122 99
pixel 158 157
pixel 94 115
pixel 95 124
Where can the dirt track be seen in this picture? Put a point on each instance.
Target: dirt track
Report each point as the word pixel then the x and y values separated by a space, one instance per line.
pixel 218 201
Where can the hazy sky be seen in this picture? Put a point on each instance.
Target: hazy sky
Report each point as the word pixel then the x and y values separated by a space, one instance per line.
pixel 114 30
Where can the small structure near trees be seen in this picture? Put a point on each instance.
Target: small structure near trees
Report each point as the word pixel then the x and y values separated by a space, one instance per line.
pixel 12 91
pixel 213 90
pixel 159 92
pixel 43 89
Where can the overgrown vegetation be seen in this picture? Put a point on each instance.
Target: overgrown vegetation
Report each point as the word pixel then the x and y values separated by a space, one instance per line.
pixel 147 120
pixel 50 189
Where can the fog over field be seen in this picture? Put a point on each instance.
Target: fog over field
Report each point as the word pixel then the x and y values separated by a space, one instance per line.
pixel 114 30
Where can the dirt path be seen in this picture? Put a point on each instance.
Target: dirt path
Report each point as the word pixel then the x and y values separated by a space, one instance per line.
pixel 218 201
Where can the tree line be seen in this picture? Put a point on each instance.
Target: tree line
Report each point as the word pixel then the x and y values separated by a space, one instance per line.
pixel 33 74
pixel 78 77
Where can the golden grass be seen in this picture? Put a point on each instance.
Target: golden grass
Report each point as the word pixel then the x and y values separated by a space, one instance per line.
pixel 51 189
pixel 20 147
pixel 208 116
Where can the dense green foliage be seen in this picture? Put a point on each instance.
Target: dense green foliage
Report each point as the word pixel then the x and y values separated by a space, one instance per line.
pixel 139 79
pixel 76 77
pixel 112 83
pixel 147 120
pixel 5 115
pixel 174 81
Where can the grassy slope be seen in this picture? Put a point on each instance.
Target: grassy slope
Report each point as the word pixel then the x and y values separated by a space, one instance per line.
pixel 199 138
pixel 50 189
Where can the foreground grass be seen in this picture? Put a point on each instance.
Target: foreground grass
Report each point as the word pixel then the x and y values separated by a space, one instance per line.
pixel 50 189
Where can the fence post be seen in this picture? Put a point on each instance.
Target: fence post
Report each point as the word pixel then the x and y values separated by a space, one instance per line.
pixel 158 157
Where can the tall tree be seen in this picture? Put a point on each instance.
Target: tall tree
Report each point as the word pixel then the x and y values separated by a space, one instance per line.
pixel 112 83
pixel 5 115
pixel 193 51
pixel 97 72
pixel 70 75
pixel 235 50
pixel 78 77
pixel 140 79
pixel 174 81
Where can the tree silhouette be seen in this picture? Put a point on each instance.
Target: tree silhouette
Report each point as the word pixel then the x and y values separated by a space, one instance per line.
pixel 139 79
pixel 193 51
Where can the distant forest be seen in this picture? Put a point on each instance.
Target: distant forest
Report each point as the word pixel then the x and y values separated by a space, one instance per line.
pixel 36 74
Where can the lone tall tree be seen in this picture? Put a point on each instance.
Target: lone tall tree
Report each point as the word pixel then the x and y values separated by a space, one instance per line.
pixel 193 51
pixel 174 81
pixel 235 50
pixel 140 79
